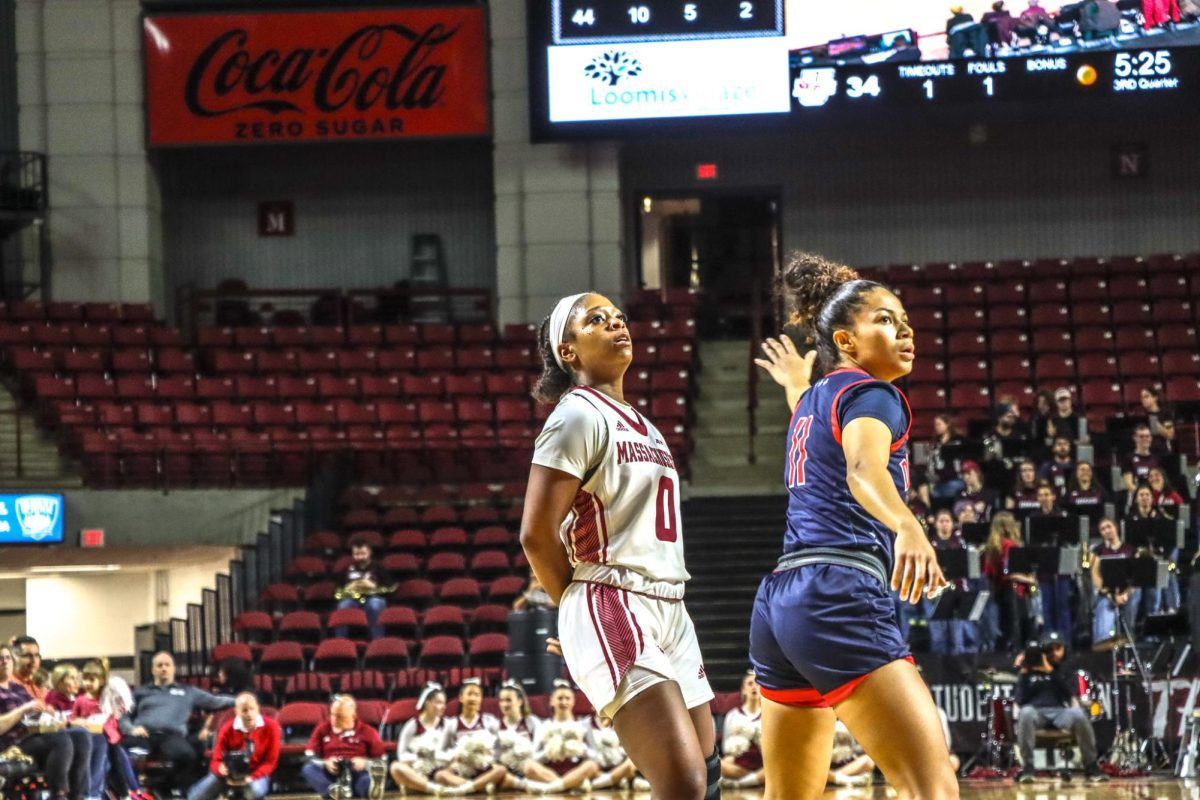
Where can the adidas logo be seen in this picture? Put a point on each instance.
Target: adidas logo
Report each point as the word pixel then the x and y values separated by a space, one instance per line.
pixel 701 673
pixel 621 427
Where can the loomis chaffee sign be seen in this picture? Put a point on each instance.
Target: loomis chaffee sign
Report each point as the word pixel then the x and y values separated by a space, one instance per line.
pixel 329 76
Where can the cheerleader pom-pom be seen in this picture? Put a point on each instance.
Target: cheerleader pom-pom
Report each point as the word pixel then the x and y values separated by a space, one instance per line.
pixel 736 745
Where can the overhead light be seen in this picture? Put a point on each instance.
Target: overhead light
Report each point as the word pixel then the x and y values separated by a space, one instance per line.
pixel 75 568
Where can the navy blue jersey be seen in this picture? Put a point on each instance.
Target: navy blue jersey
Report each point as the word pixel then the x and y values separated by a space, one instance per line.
pixel 821 510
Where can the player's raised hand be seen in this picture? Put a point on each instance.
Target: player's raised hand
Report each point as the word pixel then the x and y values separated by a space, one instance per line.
pixel 787 367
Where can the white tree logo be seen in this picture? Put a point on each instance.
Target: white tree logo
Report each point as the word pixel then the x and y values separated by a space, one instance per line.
pixel 611 67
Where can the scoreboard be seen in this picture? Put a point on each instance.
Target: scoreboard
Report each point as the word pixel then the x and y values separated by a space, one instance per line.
pixel 604 68
pixel 610 21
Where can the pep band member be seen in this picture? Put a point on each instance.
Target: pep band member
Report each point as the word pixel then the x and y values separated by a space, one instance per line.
pixel 825 641
pixel 602 533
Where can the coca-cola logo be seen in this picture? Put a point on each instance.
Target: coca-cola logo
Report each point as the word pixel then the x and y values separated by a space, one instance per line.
pixel 387 65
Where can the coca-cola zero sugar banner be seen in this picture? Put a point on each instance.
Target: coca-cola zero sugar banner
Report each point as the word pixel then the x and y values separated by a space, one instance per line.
pixel 328 76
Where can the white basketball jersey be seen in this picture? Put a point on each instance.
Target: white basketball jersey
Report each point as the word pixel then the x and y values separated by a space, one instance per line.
pixel 624 526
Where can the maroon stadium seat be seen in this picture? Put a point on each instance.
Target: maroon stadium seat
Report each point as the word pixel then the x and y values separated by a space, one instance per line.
pixel 441 652
pixel 300 626
pixel 353 619
pixel 488 650
pixel 227 650
pixel 310 686
pixel 282 658
pixel 336 655
pixel 464 592
pixel 505 590
pixel 415 592
pixel 443 619
pixel 489 618
pixel 399 621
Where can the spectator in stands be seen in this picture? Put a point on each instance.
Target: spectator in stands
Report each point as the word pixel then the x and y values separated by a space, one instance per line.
pixel 106 699
pixel 1001 25
pixel 974 493
pixel 157 725
pixel 1144 507
pixel 64 685
pixel 1163 493
pixel 533 597
pixel 29 661
pixel 1047 502
pixel 234 677
pixel 1160 419
pixel 63 754
pixel 1006 437
pixel 947 637
pixel 366 583
pixel 1084 496
pixel 1112 601
pixel 422 744
pixel 256 739
pixel 1034 23
pixel 918 507
pixel 742 764
pixel 1024 497
pixel 1047 699
pixel 1009 589
pixel 1135 467
pixel 344 738
pixel 1058 470
pixel 1056 592
pixel 963 34
pixel 942 483
pixel 1039 422
pixel 965 513
pixel 1099 19
pixel 1065 421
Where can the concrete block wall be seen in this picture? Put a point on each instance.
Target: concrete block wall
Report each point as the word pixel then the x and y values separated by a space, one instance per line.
pixel 80 98
pixel 558 217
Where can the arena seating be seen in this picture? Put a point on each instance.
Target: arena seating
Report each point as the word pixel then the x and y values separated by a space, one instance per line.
pixel 262 405
pixel 1104 327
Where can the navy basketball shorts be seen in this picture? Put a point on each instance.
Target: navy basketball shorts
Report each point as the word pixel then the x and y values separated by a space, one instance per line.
pixel 817 631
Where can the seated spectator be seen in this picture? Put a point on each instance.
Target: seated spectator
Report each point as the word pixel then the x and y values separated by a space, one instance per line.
pixel 62 754
pixel 941 482
pixel 1065 421
pixel 533 597
pixel 1010 589
pixel 963 34
pixel 1164 494
pixel 366 583
pixel 742 764
pixel 1034 23
pixel 1110 602
pixel 102 702
pixel 157 724
pixel 28 654
pixel 1136 466
pixel 1001 24
pixel 1006 437
pixel 1144 507
pixel 1047 699
pixel 1160 419
pixel 1061 466
pixel 64 685
pixel 233 678
pixel 1084 496
pixel 345 739
pixel 1039 421
pixel 1057 591
pixel 974 493
pixel 257 739
pixel 1024 497
pixel 1099 19
pixel 1047 502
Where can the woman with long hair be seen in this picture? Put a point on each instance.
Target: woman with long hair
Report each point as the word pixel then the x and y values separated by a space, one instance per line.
pixel 422 747
pixel 942 483
pixel 602 532
pixel 1084 496
pixel 741 738
pixel 1024 496
pixel 1009 589
pixel 825 641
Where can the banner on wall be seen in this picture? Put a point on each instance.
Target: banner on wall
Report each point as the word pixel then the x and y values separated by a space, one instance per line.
pixel 320 76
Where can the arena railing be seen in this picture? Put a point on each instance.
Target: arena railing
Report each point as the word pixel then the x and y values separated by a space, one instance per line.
pixel 234 305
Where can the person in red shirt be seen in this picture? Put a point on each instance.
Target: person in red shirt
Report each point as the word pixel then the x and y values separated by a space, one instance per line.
pixel 248 732
pixel 345 738
pixel 1009 588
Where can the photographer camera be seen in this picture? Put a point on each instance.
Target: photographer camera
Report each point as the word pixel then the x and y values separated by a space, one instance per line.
pixel 1047 699
pixel 346 755
pixel 245 754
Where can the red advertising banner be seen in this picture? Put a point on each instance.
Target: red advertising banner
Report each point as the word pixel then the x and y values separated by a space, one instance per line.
pixel 323 76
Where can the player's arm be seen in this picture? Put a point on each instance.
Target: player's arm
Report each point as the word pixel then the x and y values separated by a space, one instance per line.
pixel 867 442
pixel 548 499
pixel 787 367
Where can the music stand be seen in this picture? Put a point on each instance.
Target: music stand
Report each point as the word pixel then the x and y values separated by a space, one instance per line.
pixel 967 606
pixel 1118 573
pixel 1161 535
pixel 976 533
pixel 1051 531
pixel 1041 561
pixel 959 565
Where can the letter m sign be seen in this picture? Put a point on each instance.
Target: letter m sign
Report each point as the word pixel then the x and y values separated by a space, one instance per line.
pixel 276 218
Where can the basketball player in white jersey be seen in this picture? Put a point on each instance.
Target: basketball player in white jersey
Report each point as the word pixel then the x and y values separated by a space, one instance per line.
pixel 602 533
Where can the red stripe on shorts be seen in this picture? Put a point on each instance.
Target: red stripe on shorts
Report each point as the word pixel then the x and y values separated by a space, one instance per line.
pixel 585 533
pixel 612 670
pixel 618 633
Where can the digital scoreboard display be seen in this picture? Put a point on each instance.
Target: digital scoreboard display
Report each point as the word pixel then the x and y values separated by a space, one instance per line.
pixel 598 63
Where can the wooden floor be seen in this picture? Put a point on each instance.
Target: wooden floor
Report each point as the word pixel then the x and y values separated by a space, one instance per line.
pixel 1162 788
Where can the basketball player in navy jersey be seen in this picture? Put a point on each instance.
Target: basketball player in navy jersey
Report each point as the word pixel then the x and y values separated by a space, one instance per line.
pixel 824 638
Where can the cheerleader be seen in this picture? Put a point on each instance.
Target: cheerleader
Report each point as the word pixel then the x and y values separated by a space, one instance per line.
pixel 616 767
pixel 422 746
pixel 741 736
pixel 561 756
pixel 849 765
pixel 518 729
pixel 472 737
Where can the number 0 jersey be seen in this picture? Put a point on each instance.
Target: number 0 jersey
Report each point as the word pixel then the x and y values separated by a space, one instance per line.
pixel 624 526
pixel 821 510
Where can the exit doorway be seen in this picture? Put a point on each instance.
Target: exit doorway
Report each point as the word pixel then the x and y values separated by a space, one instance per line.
pixel 726 247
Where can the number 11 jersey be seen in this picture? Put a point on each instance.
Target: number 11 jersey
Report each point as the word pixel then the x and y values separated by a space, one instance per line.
pixel 624 525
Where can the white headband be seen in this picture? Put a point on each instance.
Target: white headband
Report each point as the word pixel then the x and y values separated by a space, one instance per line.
pixel 430 688
pixel 558 324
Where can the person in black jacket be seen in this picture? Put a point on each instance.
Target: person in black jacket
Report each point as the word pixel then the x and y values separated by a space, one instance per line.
pixel 1048 699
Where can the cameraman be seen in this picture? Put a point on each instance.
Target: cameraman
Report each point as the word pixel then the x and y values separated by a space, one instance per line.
pixel 244 756
pixel 1048 699
pixel 344 747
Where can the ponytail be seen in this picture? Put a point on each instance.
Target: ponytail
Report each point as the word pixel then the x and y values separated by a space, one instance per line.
pixel 556 379
pixel 820 296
